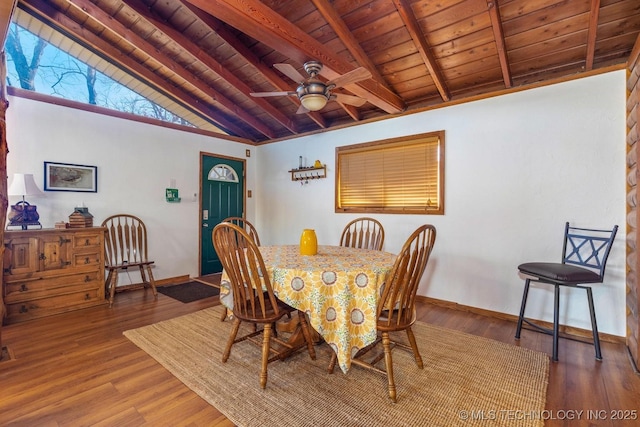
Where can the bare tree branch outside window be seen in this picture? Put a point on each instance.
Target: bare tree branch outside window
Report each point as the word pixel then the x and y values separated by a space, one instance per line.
pixel 26 70
pixel 54 72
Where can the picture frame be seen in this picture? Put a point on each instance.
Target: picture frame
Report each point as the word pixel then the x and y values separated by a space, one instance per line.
pixel 70 177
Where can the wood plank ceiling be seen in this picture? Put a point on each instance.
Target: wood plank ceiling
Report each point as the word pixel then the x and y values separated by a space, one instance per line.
pixel 211 54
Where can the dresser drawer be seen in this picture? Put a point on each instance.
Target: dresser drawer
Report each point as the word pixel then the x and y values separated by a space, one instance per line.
pixel 87 259
pixel 88 240
pixel 35 308
pixel 24 290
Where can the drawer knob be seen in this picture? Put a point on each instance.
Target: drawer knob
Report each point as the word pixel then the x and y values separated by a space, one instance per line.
pixel 23 288
pixel 87 261
pixel 86 242
pixel 24 309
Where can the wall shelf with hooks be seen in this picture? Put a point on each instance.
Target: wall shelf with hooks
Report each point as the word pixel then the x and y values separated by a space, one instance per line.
pixel 306 174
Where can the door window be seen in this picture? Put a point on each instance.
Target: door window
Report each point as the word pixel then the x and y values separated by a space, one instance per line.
pixel 222 172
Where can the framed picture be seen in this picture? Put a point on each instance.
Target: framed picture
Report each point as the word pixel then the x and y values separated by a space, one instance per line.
pixel 69 177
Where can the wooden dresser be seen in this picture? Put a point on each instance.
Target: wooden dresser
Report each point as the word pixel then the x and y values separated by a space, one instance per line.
pixel 52 271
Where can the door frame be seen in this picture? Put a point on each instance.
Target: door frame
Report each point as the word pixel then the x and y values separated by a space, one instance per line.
pixel 200 186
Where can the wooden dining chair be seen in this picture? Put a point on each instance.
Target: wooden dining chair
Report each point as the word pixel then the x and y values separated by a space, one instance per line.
pixel 254 301
pixel 363 233
pixel 396 309
pixel 251 231
pixel 246 226
pixel 125 242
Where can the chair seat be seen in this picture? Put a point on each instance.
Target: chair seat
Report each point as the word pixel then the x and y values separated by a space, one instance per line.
pixel 269 315
pixel 126 265
pixel 560 273
pixel 388 320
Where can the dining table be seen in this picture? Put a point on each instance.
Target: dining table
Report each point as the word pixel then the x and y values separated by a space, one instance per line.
pixel 338 288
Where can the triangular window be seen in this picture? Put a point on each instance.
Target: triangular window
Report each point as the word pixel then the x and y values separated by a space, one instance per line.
pixel 66 69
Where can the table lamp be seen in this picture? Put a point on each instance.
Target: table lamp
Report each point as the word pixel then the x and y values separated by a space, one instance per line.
pixel 22 213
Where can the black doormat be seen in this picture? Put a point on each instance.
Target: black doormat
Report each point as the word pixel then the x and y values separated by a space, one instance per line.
pixel 189 292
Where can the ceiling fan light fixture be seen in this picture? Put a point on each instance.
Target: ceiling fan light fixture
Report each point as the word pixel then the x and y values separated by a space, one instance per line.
pixel 313 102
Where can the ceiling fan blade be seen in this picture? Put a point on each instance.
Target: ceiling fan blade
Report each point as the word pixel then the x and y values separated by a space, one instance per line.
pixel 265 94
pixel 349 99
pixel 290 71
pixel 302 110
pixel 356 75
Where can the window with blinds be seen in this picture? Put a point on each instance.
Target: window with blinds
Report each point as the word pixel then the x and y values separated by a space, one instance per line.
pixel 400 175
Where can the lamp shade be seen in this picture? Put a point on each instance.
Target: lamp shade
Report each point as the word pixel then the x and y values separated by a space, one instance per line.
pixel 313 102
pixel 23 185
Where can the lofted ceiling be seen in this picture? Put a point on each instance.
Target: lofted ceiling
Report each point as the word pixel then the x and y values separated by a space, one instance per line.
pixel 210 55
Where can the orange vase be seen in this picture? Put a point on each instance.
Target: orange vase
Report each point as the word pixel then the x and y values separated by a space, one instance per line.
pixel 308 242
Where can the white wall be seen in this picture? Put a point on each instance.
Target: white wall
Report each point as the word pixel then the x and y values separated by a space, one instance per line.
pixel 517 168
pixel 136 163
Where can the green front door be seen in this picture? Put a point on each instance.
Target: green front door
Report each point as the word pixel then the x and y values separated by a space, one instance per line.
pixel 222 196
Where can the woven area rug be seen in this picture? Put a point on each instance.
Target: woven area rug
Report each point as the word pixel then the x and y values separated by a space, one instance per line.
pixel 466 380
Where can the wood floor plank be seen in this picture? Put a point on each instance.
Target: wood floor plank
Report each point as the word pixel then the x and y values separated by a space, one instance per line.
pixel 78 369
pixel 128 417
pixel 82 408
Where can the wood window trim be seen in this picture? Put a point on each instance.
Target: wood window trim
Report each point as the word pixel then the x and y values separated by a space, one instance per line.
pixel 434 176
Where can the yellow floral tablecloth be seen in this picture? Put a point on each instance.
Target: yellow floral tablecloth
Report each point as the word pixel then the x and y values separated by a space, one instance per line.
pixel 338 288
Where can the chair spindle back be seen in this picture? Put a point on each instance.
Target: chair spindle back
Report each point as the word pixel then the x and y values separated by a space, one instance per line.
pixel 246 226
pixel 125 240
pixel 402 282
pixel 363 233
pixel 243 263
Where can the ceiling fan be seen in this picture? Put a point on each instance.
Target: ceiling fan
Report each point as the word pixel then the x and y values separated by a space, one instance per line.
pixel 312 92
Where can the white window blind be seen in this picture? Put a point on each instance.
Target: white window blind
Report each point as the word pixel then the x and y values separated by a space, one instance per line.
pixel 402 175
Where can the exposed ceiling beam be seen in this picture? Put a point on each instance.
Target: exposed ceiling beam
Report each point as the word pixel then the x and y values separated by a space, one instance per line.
pixel 267 71
pixel 594 14
pixel 6 12
pixel 334 20
pixel 138 42
pixel 43 11
pixel 338 25
pixel 498 35
pixel 262 23
pixel 351 110
pixel 210 62
pixel 410 21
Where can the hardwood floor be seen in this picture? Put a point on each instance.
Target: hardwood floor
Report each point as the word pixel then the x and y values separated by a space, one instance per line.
pixel 78 369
